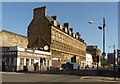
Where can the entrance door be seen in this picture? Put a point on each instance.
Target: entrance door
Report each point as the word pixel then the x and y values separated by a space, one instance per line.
pixel 3 66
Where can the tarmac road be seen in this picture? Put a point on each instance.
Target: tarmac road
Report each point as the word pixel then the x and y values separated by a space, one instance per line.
pixel 32 78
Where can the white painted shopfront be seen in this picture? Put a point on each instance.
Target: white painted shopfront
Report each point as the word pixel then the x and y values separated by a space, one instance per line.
pixel 28 58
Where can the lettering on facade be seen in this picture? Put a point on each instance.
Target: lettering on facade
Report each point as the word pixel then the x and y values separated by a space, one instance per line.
pixel 9 53
pixel 34 55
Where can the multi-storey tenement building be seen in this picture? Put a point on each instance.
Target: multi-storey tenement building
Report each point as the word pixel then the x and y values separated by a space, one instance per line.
pixel 12 39
pixel 16 55
pixel 110 59
pixel 95 52
pixel 46 33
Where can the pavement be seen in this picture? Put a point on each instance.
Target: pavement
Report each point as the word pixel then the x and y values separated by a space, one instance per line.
pixel 101 78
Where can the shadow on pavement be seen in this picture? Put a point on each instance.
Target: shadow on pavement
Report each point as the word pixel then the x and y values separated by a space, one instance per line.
pixel 106 73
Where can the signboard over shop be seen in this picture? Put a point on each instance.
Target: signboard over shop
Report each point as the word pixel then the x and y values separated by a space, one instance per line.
pixel 35 55
pixel 29 54
pixel 33 51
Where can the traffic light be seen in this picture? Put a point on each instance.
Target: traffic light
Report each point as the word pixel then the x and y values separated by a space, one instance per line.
pixel 118 57
pixel 97 59
pixel 118 53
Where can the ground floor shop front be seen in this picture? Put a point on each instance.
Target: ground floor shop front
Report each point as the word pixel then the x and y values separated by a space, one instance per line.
pixel 33 64
pixel 20 59
pixel 59 58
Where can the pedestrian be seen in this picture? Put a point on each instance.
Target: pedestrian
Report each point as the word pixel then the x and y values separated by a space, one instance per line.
pixel 34 66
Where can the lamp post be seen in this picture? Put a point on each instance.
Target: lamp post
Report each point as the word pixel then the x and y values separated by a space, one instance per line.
pixel 102 28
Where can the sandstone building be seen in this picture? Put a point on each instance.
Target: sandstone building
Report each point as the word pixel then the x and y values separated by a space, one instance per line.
pixel 16 55
pixel 12 39
pixel 47 34
pixel 95 52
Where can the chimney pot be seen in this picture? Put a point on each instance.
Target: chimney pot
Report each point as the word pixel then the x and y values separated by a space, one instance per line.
pixel 40 11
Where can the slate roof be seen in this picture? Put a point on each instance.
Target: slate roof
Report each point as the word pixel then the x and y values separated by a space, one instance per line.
pixel 51 19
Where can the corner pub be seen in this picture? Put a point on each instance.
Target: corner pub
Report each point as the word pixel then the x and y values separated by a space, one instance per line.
pixel 15 55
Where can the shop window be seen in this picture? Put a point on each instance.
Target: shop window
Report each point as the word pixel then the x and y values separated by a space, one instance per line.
pixel 12 60
pixel 44 61
pixel 21 61
pixel 48 62
pixel 7 61
pixel 32 61
pixel 15 61
pixel 27 61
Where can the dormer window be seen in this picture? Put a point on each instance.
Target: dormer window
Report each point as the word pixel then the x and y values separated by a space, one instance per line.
pixel 54 22
pixel 61 27
pixel 70 32
pixel 74 35
pixel 66 30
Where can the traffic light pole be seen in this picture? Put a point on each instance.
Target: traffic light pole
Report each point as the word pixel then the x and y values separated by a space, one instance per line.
pixel 114 67
pixel 97 63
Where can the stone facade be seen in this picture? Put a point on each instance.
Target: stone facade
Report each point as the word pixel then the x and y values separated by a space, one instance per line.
pixel 63 43
pixel 16 55
pixel 94 51
pixel 89 60
pixel 12 39
pixel 110 57
pixel 39 32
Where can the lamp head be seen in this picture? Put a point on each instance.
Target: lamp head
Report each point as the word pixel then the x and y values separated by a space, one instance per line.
pixel 100 27
pixel 90 22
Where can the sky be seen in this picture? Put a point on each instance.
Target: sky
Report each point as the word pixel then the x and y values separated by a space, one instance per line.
pixel 60 0
pixel 119 26
pixel 16 16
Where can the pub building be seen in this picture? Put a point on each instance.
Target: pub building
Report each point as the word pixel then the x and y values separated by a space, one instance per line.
pixel 16 59
pixel 16 56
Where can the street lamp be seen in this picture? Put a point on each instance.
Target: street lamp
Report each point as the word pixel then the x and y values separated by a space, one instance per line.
pixel 102 28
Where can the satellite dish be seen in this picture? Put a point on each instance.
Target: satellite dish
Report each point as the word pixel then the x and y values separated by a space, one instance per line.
pixel 46 47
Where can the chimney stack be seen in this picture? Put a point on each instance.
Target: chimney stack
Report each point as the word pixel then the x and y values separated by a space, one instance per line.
pixel 39 11
pixel 66 25
pixel 54 17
